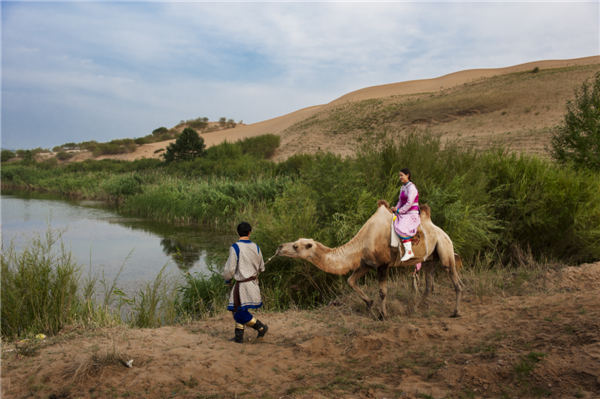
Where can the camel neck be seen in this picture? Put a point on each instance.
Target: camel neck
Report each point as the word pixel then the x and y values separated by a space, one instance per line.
pixel 338 260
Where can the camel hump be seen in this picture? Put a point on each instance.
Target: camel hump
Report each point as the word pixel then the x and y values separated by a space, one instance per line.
pixel 425 211
pixel 384 203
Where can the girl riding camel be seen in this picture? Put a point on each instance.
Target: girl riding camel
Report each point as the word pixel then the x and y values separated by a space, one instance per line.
pixel 407 213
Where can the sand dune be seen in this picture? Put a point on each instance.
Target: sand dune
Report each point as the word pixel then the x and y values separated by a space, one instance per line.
pixel 279 124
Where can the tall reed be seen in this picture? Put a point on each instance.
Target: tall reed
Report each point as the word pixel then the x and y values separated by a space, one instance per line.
pixel 39 288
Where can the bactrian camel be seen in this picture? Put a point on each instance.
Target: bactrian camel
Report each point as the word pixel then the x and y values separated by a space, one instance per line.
pixel 370 249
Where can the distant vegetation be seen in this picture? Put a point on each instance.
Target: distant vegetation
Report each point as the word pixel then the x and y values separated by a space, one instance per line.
pixel 67 151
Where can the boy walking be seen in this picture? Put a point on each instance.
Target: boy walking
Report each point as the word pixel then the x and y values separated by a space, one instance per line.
pixel 244 264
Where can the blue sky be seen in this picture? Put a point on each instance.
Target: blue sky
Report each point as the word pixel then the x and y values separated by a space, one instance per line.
pixel 87 70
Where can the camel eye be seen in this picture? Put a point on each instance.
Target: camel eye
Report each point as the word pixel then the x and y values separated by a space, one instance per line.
pixel 308 246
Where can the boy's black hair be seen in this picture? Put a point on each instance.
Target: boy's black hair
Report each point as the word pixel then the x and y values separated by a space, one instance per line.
pixel 244 229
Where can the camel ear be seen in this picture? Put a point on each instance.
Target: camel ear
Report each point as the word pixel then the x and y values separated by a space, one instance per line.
pixel 309 245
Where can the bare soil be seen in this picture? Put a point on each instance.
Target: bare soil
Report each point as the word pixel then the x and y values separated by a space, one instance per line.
pixel 542 342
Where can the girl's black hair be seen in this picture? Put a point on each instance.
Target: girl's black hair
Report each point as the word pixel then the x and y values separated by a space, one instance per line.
pixel 406 171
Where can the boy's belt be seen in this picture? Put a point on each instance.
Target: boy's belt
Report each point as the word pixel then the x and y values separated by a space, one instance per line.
pixel 237 302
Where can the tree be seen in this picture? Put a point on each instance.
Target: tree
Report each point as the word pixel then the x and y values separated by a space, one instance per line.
pixel 7 154
pixel 188 145
pixel 160 131
pixel 577 140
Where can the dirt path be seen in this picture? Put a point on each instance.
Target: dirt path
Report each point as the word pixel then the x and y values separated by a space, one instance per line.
pixel 545 343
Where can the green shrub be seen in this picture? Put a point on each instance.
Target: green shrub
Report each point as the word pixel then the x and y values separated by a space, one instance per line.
pixel 122 185
pixel 552 210
pixel 198 123
pixel 64 155
pixel 7 155
pixel 262 147
pixel 161 131
pixel 188 145
pixel 577 140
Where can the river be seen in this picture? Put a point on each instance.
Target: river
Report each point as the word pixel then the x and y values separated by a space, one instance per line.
pixel 102 242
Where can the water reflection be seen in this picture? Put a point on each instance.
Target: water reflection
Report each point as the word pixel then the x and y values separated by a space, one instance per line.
pixel 186 246
pixel 103 239
pixel 184 254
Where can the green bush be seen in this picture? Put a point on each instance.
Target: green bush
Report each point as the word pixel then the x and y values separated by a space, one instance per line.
pixel 122 185
pixel 554 211
pixel 160 131
pixel 188 145
pixel 64 155
pixel 577 140
pixel 113 147
pixel 261 147
pixel 198 123
pixel 7 155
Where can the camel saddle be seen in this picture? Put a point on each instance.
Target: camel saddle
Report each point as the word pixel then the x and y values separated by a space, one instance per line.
pixel 419 247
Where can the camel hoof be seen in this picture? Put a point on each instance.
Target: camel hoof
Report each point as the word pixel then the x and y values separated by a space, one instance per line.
pixel 369 304
pixel 455 315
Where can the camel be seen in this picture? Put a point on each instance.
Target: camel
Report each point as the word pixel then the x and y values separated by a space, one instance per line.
pixel 370 249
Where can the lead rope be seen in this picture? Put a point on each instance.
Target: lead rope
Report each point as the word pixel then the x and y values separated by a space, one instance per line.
pixel 271 258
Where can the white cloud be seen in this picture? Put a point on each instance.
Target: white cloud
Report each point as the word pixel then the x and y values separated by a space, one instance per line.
pixel 136 66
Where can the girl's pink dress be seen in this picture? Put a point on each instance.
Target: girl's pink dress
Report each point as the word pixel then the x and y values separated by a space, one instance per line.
pixel 407 213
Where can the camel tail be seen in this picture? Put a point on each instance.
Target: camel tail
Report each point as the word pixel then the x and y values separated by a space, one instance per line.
pixel 458 262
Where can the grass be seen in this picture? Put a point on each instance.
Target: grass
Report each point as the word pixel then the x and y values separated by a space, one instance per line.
pixel 39 288
pixel 42 292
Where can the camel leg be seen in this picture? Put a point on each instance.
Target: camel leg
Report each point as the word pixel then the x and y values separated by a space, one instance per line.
pixel 382 274
pixel 447 259
pixel 453 274
pixel 429 274
pixel 353 281
pixel 429 270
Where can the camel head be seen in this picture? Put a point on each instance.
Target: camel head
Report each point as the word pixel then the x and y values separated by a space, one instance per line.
pixel 304 248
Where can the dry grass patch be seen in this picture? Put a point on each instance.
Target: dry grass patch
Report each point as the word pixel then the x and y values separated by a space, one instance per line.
pixel 93 366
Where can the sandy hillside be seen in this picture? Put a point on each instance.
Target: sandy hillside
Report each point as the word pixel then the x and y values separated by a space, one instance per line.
pixel 544 342
pixel 523 127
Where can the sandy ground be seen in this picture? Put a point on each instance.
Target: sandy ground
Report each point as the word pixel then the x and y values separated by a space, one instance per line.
pixel 543 343
pixel 312 143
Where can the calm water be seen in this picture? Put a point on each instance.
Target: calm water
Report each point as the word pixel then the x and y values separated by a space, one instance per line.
pixel 101 241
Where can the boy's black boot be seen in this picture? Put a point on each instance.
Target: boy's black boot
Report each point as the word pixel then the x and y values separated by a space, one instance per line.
pixel 239 335
pixel 261 328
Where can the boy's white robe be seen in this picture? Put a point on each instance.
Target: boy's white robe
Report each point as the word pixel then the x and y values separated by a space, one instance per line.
pixel 250 263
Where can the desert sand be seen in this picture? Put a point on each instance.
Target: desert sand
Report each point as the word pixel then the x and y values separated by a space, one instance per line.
pixel 543 343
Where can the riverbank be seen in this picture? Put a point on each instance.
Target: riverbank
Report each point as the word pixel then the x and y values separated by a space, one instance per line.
pixel 537 338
